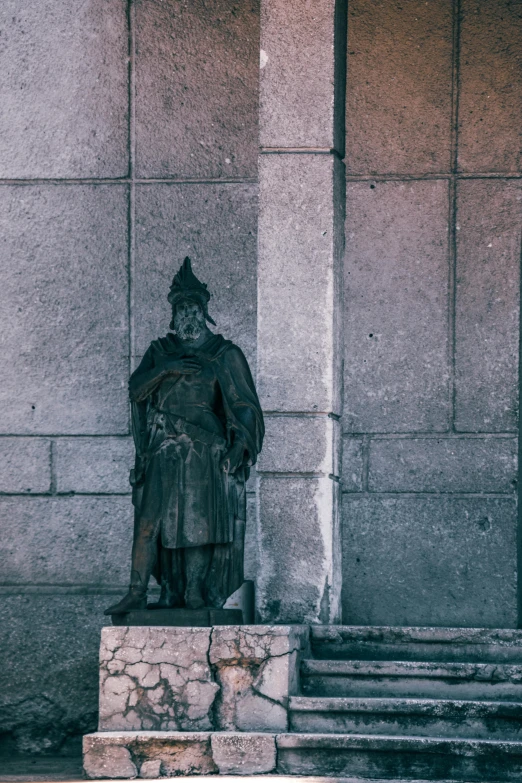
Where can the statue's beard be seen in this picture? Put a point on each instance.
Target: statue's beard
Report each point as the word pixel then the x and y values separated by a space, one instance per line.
pixel 188 327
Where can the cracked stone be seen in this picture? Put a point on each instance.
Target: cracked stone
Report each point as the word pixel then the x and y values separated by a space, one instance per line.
pixel 108 761
pixel 239 754
pixel 150 769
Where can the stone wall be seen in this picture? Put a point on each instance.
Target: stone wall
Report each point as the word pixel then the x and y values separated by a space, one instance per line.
pixel 434 207
pixel 128 139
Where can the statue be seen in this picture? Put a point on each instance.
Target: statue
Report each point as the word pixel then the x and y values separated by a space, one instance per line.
pixel 197 428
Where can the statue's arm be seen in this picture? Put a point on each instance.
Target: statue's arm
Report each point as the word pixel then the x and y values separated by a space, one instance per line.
pixel 145 378
pixel 149 375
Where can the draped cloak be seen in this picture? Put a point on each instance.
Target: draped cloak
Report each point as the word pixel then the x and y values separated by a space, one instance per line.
pixel 181 432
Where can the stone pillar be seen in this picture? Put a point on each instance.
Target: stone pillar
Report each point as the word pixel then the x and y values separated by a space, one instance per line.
pixel 299 308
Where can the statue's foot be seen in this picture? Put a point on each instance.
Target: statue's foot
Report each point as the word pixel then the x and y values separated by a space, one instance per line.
pixel 194 599
pixel 133 601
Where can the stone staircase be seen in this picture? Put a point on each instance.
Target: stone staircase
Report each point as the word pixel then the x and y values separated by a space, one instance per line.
pixel 357 703
pixel 408 704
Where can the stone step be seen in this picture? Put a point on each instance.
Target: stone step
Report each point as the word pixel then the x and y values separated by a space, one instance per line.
pixel 399 758
pixel 357 757
pixel 373 643
pixel 415 717
pixel 412 679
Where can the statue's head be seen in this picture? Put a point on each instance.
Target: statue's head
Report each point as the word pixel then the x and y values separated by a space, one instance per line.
pixel 188 319
pixel 189 298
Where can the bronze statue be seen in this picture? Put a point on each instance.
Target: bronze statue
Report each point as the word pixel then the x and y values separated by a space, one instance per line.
pixel 197 427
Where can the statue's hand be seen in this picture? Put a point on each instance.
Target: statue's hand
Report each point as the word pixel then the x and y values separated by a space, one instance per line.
pixel 233 458
pixel 185 366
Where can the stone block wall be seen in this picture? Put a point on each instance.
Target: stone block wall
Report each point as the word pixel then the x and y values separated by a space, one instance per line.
pixel 128 139
pixel 432 290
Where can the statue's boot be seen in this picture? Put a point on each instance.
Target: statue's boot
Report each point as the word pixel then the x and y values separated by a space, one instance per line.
pixel 194 597
pixel 136 598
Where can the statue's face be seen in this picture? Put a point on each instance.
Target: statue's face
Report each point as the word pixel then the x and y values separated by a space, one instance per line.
pixel 189 320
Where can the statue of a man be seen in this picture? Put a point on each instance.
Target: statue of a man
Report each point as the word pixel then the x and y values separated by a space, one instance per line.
pixel 197 427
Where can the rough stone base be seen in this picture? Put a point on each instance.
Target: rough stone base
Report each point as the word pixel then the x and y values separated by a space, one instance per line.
pixel 225 678
pixel 149 754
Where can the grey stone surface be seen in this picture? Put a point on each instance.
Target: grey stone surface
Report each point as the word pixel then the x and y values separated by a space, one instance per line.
pixel 63 89
pixel 490 100
pixel 443 465
pixel 251 561
pixel 353 464
pixel 49 674
pixel 66 540
pixel 216 226
pixel 412 679
pixel 93 464
pixel 422 758
pixel 300 445
pixel 256 668
pixel 155 679
pixel 396 299
pixel 488 305
pixel 398 99
pixel 26 465
pixel 147 754
pixel 64 304
pixel 197 73
pixel 298 283
pixel 244 754
pixel 298 72
pixel 298 549
pixel 430 561
pixel 406 717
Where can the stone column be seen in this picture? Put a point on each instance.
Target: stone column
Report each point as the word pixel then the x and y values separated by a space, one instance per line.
pixel 299 308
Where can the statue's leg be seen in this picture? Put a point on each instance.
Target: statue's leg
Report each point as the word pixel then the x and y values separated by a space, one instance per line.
pixel 197 561
pixel 144 552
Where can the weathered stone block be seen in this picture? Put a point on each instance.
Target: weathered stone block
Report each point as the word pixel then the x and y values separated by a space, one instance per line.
pixel 256 668
pixel 298 104
pixel 155 679
pixel 300 445
pixel 192 61
pixel 430 561
pixel 64 300
pixel 488 305
pixel 63 89
pixel 147 754
pixel 353 464
pixel 66 540
pixel 244 754
pixel 93 464
pixel 26 465
pixel 443 465
pixel 49 675
pixel 398 103
pixel 298 544
pixel 216 226
pixel 396 299
pixel 298 283
pixel 490 96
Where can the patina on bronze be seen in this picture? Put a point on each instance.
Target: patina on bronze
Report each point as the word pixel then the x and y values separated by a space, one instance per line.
pixel 197 428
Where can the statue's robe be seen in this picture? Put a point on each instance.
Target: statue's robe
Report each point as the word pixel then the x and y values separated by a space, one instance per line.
pixel 181 433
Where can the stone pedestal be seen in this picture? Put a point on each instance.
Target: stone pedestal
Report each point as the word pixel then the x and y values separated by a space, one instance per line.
pixel 165 691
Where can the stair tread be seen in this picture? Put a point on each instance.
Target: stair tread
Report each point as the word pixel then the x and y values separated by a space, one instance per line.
pixel 424 634
pixel 332 741
pixel 438 707
pixel 496 672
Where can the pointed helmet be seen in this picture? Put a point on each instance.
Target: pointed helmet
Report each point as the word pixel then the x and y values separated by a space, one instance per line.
pixel 187 286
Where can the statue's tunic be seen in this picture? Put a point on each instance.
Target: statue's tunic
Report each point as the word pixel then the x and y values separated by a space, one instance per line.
pixel 181 433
